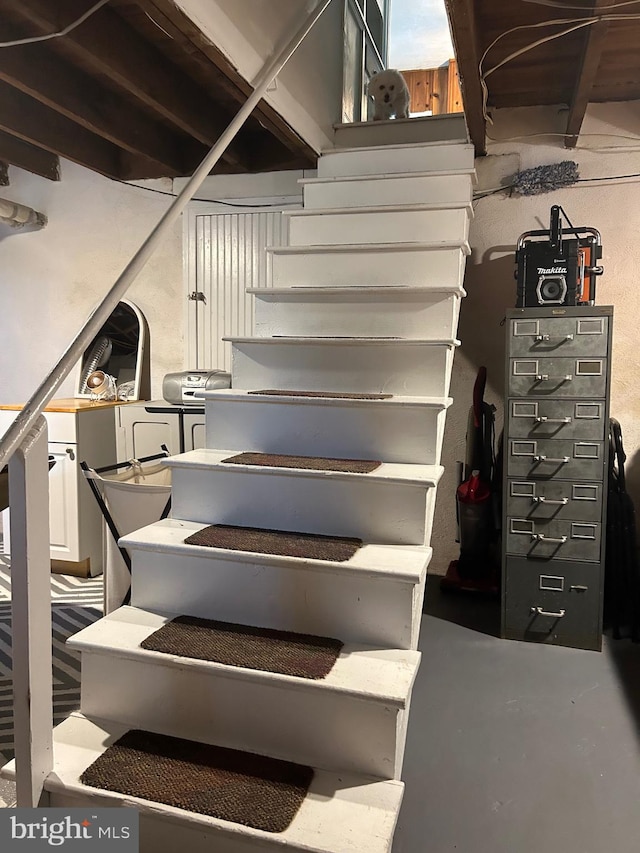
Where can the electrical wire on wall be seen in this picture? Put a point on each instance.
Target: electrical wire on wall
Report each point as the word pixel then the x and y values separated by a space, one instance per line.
pixel 574 24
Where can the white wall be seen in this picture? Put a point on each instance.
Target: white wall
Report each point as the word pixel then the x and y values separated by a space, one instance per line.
pixel 612 207
pixel 51 279
pixel 308 92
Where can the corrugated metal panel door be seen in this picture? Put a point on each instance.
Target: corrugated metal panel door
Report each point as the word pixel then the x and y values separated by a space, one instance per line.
pixel 230 256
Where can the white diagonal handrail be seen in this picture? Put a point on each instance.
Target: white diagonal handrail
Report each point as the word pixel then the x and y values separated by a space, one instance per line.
pixel 24 444
pixel 36 404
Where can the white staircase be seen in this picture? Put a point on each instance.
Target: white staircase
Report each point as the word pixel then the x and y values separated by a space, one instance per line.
pixel 365 303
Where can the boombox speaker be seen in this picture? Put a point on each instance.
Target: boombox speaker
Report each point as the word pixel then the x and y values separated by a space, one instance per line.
pixel 558 266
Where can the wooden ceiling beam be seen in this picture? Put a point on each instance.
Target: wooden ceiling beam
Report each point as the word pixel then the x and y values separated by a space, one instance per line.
pixel 586 74
pixel 105 44
pixel 82 99
pixel 32 122
pixel 465 40
pixel 181 28
pixel 17 152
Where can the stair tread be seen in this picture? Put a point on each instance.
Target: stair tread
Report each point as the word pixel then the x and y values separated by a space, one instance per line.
pixel 386 471
pixel 343 811
pixel 383 675
pixel 353 290
pixel 438 173
pixel 435 143
pixel 429 245
pixel 405 563
pixel 380 208
pixel 244 395
pixel 343 341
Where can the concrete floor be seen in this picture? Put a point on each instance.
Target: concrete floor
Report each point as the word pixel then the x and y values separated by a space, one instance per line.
pixel 515 747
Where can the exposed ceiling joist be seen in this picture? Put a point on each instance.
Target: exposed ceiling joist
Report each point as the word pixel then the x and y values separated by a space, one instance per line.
pixel 18 153
pixel 32 122
pixel 463 29
pixel 106 45
pixel 77 96
pixel 586 75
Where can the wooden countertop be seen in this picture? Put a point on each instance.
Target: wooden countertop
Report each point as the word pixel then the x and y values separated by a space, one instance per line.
pixel 72 404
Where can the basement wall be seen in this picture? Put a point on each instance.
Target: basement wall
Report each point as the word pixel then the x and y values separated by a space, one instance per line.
pixel 613 207
pixel 51 279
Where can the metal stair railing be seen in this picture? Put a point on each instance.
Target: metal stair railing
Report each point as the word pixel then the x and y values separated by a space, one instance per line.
pixel 24 448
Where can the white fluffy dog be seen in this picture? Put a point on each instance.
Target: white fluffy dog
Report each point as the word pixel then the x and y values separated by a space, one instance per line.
pixel 390 94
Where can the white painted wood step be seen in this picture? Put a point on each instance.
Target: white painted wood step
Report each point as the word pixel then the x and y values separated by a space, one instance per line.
pixel 398 429
pixel 403 224
pixel 417 129
pixel 391 505
pixel 421 264
pixel 405 312
pixel 372 190
pixel 342 812
pixel 396 159
pixel 374 598
pixel 420 368
pixel 329 723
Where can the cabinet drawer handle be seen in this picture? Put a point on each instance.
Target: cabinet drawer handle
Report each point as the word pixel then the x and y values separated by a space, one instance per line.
pixel 542 500
pixel 562 338
pixel 562 460
pixel 558 614
pixel 557 540
pixel 542 420
pixel 544 377
pixel 70 453
pixel 540 537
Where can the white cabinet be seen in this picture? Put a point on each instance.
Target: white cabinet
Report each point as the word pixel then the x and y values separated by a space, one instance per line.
pixel 78 430
pixel 142 428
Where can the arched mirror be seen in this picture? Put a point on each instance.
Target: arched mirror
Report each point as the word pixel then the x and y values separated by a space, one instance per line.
pixel 121 351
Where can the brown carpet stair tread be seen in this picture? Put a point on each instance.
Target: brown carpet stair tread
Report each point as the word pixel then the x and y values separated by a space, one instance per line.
pixel 321 394
pixel 282 543
pixel 312 463
pixel 240 787
pixel 262 649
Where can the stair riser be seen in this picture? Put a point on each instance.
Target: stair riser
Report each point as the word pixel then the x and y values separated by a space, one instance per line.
pixel 376 512
pixel 369 267
pixel 389 315
pixel 414 189
pixel 372 611
pixel 366 368
pixel 322 728
pixel 159 835
pixel 435 158
pixel 402 226
pixel 402 433
pixel 162 835
pixel 439 128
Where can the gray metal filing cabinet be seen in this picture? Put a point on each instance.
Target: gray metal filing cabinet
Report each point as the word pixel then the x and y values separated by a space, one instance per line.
pixel 555 474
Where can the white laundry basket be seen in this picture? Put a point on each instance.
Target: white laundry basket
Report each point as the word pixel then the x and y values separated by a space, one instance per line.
pixel 134 497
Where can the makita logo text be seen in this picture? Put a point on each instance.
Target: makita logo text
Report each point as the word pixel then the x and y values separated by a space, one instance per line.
pixel 551 270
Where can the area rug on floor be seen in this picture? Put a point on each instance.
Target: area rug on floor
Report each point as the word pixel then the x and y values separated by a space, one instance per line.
pixel 322 394
pixel 252 790
pixel 311 463
pixel 75 603
pixel 264 649
pixel 281 543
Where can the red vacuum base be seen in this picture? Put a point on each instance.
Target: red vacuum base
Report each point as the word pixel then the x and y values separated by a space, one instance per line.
pixel 487 585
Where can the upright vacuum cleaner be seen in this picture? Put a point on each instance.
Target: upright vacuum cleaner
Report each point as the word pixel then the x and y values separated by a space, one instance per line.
pixel 477 569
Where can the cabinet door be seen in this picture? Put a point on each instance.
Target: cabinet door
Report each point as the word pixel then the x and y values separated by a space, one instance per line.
pixel 194 432
pixel 63 502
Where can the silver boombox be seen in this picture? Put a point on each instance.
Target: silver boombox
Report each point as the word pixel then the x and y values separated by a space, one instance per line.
pixel 183 388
